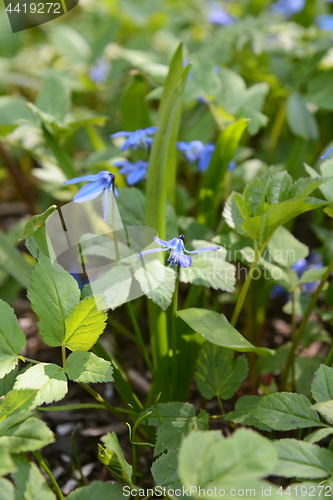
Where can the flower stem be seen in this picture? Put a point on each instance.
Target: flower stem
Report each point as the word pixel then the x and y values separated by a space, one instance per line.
pixel 84 406
pixel 139 336
pixel 302 326
pixel 101 400
pixel 220 405
pixel 293 334
pixel 174 331
pixel 247 283
pixel 63 353
pixel 45 468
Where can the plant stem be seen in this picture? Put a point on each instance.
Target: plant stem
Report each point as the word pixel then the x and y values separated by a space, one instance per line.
pixel 293 334
pixel 139 336
pixel 174 332
pixel 84 406
pixel 101 400
pixel 76 456
pixel 247 283
pixel 63 353
pixel 45 468
pixel 302 326
pixel 220 405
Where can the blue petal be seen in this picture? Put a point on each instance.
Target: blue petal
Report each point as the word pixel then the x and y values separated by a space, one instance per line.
pixel 183 146
pixel 152 250
pixel 90 191
pixel 120 134
pixel 205 159
pixel 184 260
pixel 136 176
pixel 202 250
pixel 161 242
pixel 121 163
pixel 150 130
pixel 88 178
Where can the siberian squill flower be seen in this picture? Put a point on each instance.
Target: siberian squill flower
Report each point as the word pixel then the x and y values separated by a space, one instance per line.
pixel 98 182
pixel 100 71
pixel 177 249
pixel 219 16
pixel 140 139
pixel 134 171
pixel 196 151
pixel 325 22
pixel 288 8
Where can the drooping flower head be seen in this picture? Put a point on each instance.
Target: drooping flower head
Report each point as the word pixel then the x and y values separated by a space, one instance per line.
pixel 100 71
pixel 140 139
pixel 288 8
pixel 196 151
pixel 177 249
pixel 98 182
pixel 135 171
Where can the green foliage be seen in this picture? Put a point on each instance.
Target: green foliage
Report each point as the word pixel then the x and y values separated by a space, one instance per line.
pixel 113 449
pixel 86 367
pixel 12 339
pixel 104 491
pixel 29 481
pixel 36 222
pixel 218 373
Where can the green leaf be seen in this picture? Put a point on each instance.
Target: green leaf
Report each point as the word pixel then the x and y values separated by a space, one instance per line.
pixel 329 211
pixel 7 363
pixel 286 411
pixel 54 98
pixel 133 105
pixel 53 295
pixel 325 409
pixel 30 482
pixel 30 435
pixel 60 155
pixel 210 269
pixel 260 228
pixel 115 286
pixel 178 420
pixel 318 435
pixel 254 197
pixel 300 459
pixel 301 122
pixel 36 222
pixel 113 448
pixel 8 491
pixel 243 412
pixel 86 367
pixel 285 249
pixel 235 212
pixel 313 275
pixel 164 470
pixel 160 291
pixel 322 384
pixel 319 90
pixel 97 489
pixel 218 373
pixel 48 379
pixel 16 401
pixel 13 262
pixel 6 465
pixel 208 460
pixel 85 324
pixel 216 329
pixel 12 338
pixel 212 190
pixel 278 187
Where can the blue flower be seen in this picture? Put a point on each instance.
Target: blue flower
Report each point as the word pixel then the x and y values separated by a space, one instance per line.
pixel 232 165
pixel 177 249
pixel 140 139
pixel 136 171
pixel 100 71
pixel 288 7
pixel 325 22
pixel 196 151
pixel 98 182
pixel 219 16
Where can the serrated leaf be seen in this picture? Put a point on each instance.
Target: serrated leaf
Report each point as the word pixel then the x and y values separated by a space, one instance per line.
pixel 208 460
pixel 243 412
pixel 305 186
pixel 48 379
pixel 97 489
pixel 218 373
pixel 12 338
pixel 322 384
pixel 7 364
pixel 30 435
pixel 286 411
pixel 235 212
pixel 30 482
pixel 216 329
pixel 86 367
pixel 318 435
pixel 278 187
pixel 164 470
pixel 301 459
pixel 325 409
pixel 152 283
pixel 85 324
pixel 329 211
pixel 254 197
pixel 53 295
pixel 113 447
pixel 36 222
pixel 16 401
pixel 210 269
